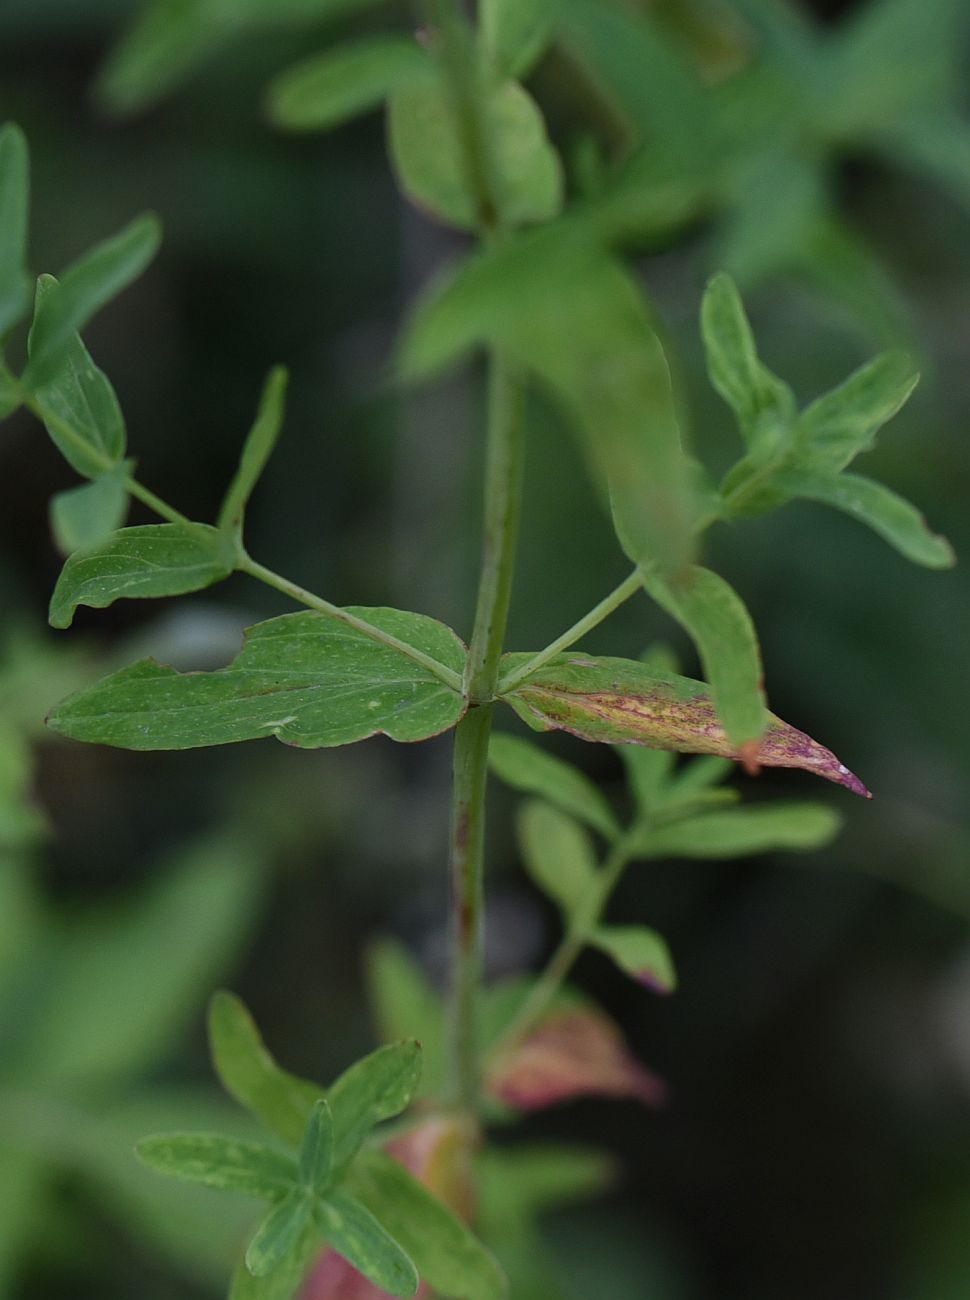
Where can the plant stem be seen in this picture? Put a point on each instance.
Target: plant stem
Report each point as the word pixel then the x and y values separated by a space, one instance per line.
pixel 447 675
pixel 571 945
pixel 627 588
pixel 503 492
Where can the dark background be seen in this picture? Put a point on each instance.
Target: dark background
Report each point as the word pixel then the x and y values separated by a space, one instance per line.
pixel 818 1140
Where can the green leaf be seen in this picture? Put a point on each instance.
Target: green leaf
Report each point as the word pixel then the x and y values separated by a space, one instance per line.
pixel 354 1233
pixel 721 628
pixel 376 1088
pixel 428 156
pixel 316 1150
pixel 407 1006
pixel 149 560
pixel 639 952
pixel 116 1001
pixel 558 855
pixel 14 203
pixel 837 426
pixel 514 34
pixel 526 767
pixel 223 1163
pixel 78 404
pixel 739 831
pixel 83 290
pixel 448 1256
pixel 305 678
pixel 257 449
pixel 342 82
pixel 284 1282
pixel 647 771
pixel 886 513
pixel 279 1235
pixel 248 1072
pixel 623 702
pixel 86 516
pixel 755 395
pixel 573 316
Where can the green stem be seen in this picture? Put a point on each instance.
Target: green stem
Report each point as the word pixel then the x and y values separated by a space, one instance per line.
pixel 503 492
pixel 627 588
pixel 571 945
pixel 245 564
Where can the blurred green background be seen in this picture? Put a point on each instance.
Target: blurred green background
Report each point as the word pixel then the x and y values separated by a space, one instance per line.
pixel 818 1139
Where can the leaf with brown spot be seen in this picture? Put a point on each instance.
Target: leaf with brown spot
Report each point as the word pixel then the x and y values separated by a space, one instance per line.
pixel 623 702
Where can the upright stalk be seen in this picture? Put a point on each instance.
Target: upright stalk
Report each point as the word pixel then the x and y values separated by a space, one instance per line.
pixel 503 491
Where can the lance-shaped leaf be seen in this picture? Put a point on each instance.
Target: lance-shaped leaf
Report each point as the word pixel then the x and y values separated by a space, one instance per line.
pixel 376 1088
pixel 622 702
pixel 428 154
pixel 514 34
pixel 406 1005
pixel 14 201
pixel 647 772
pixel 149 560
pixel 558 855
pixel 762 403
pixel 721 628
pixel 891 516
pixel 279 1235
pixel 734 832
pixel 305 678
pixel 83 290
pixel 257 449
pixel 639 952
pixel 78 404
pixel 342 82
pixel 577 1052
pixel 88 515
pixel 284 1281
pixel 354 1233
pixel 449 1257
pixel 223 1163
pixel 249 1073
pixel 528 768
pixel 316 1149
pixel 843 422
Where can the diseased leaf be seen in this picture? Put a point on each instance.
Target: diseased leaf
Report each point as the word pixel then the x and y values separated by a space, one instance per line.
pixel 721 628
pixel 248 1072
pixel 223 1163
pixel 83 290
pixel 526 767
pixel 448 1256
pixel 149 560
pixel 376 1088
pixel 284 1282
pixel 305 678
pixel 406 1005
pixel 514 34
pixel 279 1235
pixel 344 81
pixel 837 426
pixel 78 404
pixel 885 512
pixel 316 1149
pixel 428 155
pixel 639 952
pixel 571 1053
pixel 739 831
pixel 257 449
pixel 87 515
pixel 14 203
pixel 622 702
pixel 762 403
pixel 558 855
pixel 354 1233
